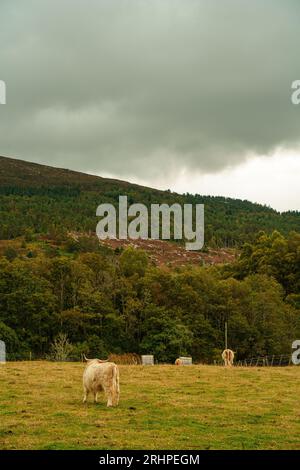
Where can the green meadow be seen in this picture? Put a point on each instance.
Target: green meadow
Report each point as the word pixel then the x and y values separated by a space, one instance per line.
pixel 161 407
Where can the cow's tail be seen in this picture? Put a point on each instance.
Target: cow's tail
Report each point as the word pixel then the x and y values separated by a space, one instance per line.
pixel 115 384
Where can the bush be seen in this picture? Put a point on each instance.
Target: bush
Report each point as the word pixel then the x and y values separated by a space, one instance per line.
pixel 166 338
pixel 60 349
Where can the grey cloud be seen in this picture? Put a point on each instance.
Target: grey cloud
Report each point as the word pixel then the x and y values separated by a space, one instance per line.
pixel 135 87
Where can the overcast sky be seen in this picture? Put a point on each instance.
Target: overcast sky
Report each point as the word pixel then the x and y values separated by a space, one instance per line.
pixel 191 95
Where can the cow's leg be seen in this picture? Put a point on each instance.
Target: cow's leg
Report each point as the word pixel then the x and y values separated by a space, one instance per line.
pixel 85 395
pixel 118 387
pixel 95 397
pixel 109 402
pixel 109 395
pixel 107 391
pixel 117 394
pixel 114 395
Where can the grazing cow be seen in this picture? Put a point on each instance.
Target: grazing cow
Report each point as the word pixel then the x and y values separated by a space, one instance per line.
pixel 178 362
pixel 101 375
pixel 228 356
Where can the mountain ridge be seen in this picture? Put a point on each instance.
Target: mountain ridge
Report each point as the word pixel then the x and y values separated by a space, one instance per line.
pixel 39 197
pixel 90 178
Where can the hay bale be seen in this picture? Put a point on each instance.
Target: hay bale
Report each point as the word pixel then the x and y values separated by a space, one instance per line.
pixel 131 359
pixel 178 362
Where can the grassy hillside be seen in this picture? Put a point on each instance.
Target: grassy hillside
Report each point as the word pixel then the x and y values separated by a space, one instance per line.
pixel 161 407
pixel 47 200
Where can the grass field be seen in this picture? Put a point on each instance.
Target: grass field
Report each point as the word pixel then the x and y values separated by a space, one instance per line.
pixel 161 407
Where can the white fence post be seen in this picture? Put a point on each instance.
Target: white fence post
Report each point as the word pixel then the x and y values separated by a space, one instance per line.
pixel 2 352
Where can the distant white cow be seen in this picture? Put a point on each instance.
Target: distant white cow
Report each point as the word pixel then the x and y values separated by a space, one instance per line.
pixel 101 376
pixel 228 356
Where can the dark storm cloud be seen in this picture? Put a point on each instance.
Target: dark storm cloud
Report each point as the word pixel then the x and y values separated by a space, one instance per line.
pixel 143 87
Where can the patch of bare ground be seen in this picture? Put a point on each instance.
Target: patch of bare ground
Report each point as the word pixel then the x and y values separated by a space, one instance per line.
pixel 174 255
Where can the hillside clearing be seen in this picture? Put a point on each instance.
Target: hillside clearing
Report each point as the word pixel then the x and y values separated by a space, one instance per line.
pixel 161 407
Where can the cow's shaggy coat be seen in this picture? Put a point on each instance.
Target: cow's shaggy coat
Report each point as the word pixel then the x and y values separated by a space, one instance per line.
pixel 101 376
pixel 228 356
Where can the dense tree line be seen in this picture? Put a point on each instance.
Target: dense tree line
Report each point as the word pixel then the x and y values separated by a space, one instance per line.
pixel 114 302
pixel 228 222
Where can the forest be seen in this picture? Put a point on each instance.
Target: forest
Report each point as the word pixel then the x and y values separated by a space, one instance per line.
pixel 106 300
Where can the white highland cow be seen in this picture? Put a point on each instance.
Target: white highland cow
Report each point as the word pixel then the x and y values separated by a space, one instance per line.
pixel 228 356
pixel 101 376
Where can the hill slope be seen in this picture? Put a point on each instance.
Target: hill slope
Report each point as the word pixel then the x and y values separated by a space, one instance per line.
pixel 44 199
